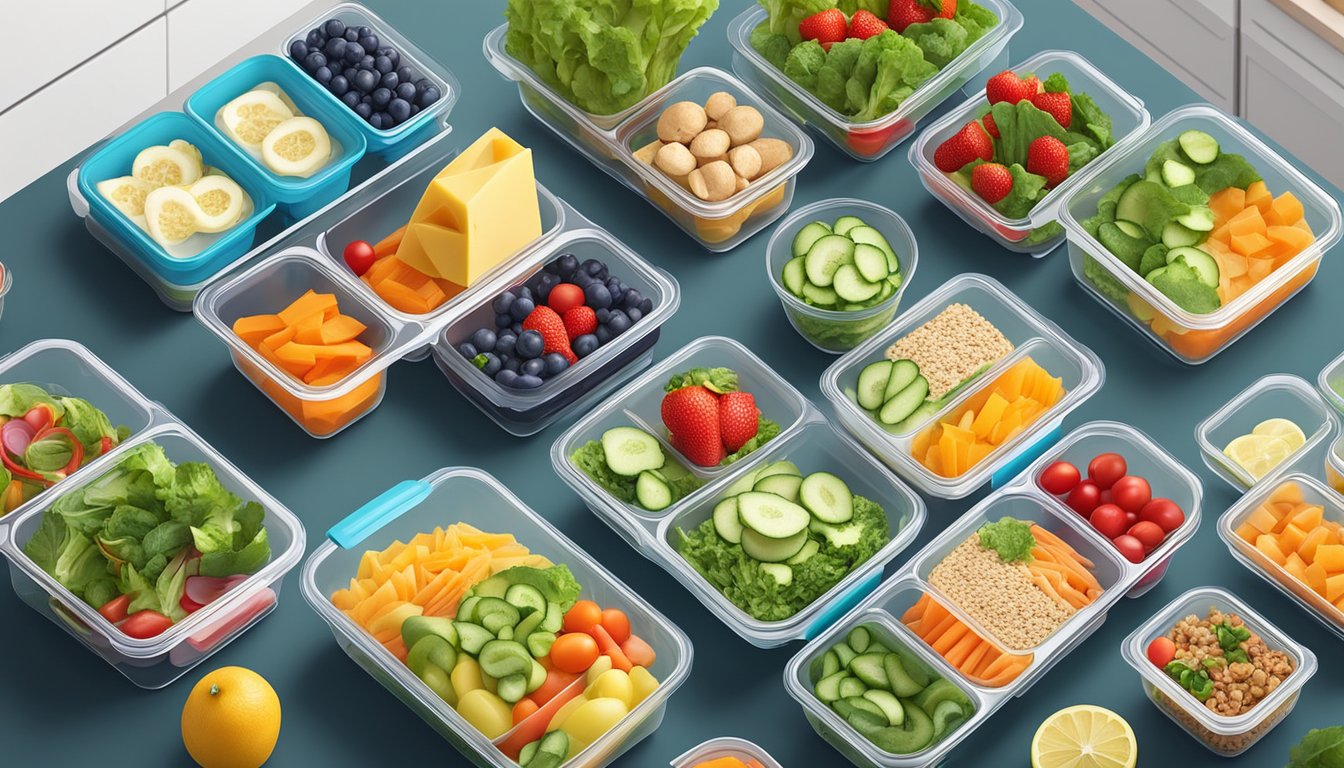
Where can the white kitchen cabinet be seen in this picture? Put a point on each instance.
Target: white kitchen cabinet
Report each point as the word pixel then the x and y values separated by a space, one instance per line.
pixel 201 32
pixel 1195 40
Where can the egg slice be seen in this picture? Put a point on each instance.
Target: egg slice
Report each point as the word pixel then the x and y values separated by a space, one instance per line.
pixel 171 215
pixel 249 118
pixel 126 194
pixel 297 147
pixel 167 166
pixel 220 203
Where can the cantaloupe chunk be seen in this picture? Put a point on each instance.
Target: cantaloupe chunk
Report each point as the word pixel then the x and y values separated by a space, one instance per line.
pixel 1286 493
pixel 1227 203
pixel 1315 538
pixel 309 329
pixel 388 245
pixel 1257 194
pixel 295 358
pixel 326 367
pixel 1309 518
pixel 380 270
pixel 340 328
pixel 1330 557
pixel 1248 533
pixel 1286 210
pixel 1291 538
pixel 1334 587
pixel 1262 519
pixel 253 329
pixel 310 303
pixel 1269 547
pixel 1315 578
pixel 1250 244
pixel 990 413
pixel 1246 222
pixel 402 298
pixel 1292 238
pixel 280 338
pixel 1296 566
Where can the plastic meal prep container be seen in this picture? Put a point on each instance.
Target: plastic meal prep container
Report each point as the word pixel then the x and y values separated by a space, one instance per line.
pixel 610 142
pixel 278 219
pixel 157 661
pixel 805 439
pixel 831 330
pixel 1274 396
pixel 870 140
pixel 460 494
pixel 1334 466
pixel 724 746
pixel 1036 233
pixel 1031 334
pixel 1222 735
pixel 1189 337
pixel 1331 383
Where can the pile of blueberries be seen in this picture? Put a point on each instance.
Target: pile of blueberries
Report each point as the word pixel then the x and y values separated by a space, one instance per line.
pixel 368 76
pixel 516 358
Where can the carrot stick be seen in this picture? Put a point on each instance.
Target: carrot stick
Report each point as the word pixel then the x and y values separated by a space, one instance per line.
pixel 951 637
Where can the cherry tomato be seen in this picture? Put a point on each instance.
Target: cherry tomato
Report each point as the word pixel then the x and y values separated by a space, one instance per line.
pixel 1129 547
pixel 115 609
pixel 1084 498
pixel 1131 493
pixel 146 623
pixel 1105 469
pixel 1109 520
pixel 1060 477
pixel 1149 534
pixel 574 652
pixel 564 297
pixel 1165 512
pixel 583 616
pixel 1130 519
pixel 617 624
pixel 189 605
pixel 359 256
pixel 1161 651
pixel 39 417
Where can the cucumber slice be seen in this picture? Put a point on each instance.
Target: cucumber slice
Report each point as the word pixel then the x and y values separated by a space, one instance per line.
pixel 903 374
pixel 767 550
pixel 868 668
pixel 823 667
pixel 794 276
pixel 1199 219
pixel 539 644
pixel 1199 146
pixel 946 717
pixel 528 752
pixel 726 522
pixel 555 618
pixel 466 610
pixel 742 484
pixel 1174 235
pixel 890 705
pixel 844 224
pixel 502 658
pixel 530 622
pixel 827 497
pixel 808 236
pixel 871 236
pixel 777 468
pixel 504 633
pixel 781 573
pixel 871 262
pixel 1151 276
pixel 783 486
pixel 1202 263
pixel 537 677
pixel 851 686
pixel 828 688
pixel 773 517
pixel 914 735
pixel 906 402
pixel 652 492
pixel 899 680
pixel 868 725
pixel 512 688
pixel 850 285
pixel 555 743
pixel 495 612
pixel 1133 202
pixel 809 549
pixel 472 637
pixel 872 384
pixel 860 704
pixel 527 599
pixel 629 451
pixel 826 256
pixel 1154 257
pixel 859 638
pixel 1133 229
pixel 1177 174
pixel 819 296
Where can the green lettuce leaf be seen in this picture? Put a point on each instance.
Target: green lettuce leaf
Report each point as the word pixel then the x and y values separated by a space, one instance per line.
pixel 1320 748
pixel 88 424
pixel 18 399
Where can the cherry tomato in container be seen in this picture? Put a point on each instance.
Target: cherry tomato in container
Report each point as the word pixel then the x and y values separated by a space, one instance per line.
pixel 1107 468
pixel 359 256
pixel 115 609
pixel 1165 512
pixel 1129 547
pixel 1059 478
pixel 1084 498
pixel 1148 534
pixel 617 624
pixel 1161 651
pixel 1130 519
pixel 564 297
pixel 146 623
pixel 574 652
pixel 583 616
pixel 1131 493
pixel 1109 520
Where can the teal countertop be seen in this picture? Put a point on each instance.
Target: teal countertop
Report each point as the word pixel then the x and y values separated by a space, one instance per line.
pixel 61 705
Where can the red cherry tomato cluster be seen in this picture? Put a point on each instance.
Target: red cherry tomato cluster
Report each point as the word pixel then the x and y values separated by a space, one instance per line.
pixel 1120 506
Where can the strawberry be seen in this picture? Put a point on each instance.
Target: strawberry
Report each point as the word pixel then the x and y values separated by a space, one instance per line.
pixel 1057 105
pixel 992 182
pixel 866 24
pixel 968 144
pixel 1048 157
pixel 553 335
pixel 1007 86
pixel 691 415
pixel 580 320
pixel 825 27
pixel 946 8
pixel 903 13
pixel 738 419
pixel 990 126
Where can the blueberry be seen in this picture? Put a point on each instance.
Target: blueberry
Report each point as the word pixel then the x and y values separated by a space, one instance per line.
pixel 335 48
pixel 603 315
pixel 298 50
pixel 334 27
pixel 366 62
pixel 615 288
pixel 313 60
pixel 376 120
pixel 502 302
pixel 338 85
pixel 367 99
pixel 604 334
pixel 618 324
pixel 568 263
pixel 381 97
pixel 530 344
pixel 528 382
pixel 366 80
pixel 547 283
pixel 632 298
pixel 511 363
pixel 399 109
pixel 349 74
pixel 467 349
pixel 406 92
pixel 315 39
pixel 363 110
pixel 350 98
pixel 370 42
pixel 597 296
pixel 322 75
pixel 365 31
pixel 351 35
pixel 408 75
pixel 555 363
pixel 634 314
pixel 522 307
pixel 506 377
pixel 523 292
pixel 504 343
pixel 415 109
pixel 552 267
pixel 352 54
pixel 428 96
pixel 533 367
pixel 389 81
pixel 646 305
pixel 394 55
pixel 595 268
pixel 483 340
pixel 421 84
pixel 492 364
pixel 383 65
pixel 585 345
pixel 517 329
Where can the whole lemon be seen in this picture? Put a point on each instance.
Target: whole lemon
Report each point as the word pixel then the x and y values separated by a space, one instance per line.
pixel 231 719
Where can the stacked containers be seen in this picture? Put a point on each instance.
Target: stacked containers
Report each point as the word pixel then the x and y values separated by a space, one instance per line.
pixel 1037 233
pixel 1189 337
pixel 1023 499
pixel 609 142
pixel 1032 336
pixel 870 140
pixel 725 747
pixel 805 440
pixel 153 662
pixel 476 498
pixel 1331 383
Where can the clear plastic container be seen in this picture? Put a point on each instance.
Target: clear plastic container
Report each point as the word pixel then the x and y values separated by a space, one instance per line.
pixel 870 140
pixel 725 746
pixel 157 661
pixel 805 439
pixel 474 497
pixel 1189 337
pixel 1334 466
pixel 1331 383
pixel 1037 233
pixel 1033 336
pixel 610 142
pixel 177 284
pixel 831 330
pixel 1313 492
pixel 1224 736
pixel 1275 396
pixel 6 282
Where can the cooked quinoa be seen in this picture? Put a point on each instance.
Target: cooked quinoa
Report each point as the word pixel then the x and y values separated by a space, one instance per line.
pixel 999 595
pixel 953 346
pixel 1238 686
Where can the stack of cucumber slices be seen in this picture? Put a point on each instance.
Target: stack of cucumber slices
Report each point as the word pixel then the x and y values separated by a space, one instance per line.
pixel 896 394
pixel 632 452
pixel 845 266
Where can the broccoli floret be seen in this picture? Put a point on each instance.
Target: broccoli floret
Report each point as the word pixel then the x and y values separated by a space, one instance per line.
pixel 804 62
pixel 1056 83
pixel 941 40
pixel 774 48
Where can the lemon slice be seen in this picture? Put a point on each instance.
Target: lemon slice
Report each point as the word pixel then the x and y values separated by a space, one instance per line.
pixel 166 166
pixel 126 194
pixel 250 117
pixel 1258 454
pixel 220 203
pixel 171 214
pixel 1284 430
pixel 297 147
pixel 1084 736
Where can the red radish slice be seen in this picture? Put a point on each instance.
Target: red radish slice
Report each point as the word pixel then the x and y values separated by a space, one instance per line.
pixel 204 590
pixel 15 435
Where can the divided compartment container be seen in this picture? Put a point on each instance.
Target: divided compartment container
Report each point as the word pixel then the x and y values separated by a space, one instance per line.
pixel 471 496
pixel 1036 233
pixel 1189 337
pixel 609 142
pixel 871 140
pixel 1031 334
pixel 1273 396
pixel 836 331
pixel 157 661
pixel 1224 736
pixel 724 747
pixel 1313 492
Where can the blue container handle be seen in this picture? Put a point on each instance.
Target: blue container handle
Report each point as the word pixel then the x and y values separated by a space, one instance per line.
pixel 831 613
pixel 378 512
pixel 1022 460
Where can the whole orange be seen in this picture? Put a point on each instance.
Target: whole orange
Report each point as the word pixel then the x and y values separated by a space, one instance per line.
pixel 231 719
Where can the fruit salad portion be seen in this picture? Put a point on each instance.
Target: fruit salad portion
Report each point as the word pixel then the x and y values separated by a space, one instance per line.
pixel 173 195
pixel 266 124
pixel 1306 546
pixel 631 465
pixel 711 420
pixel 500 634
pixel 778 540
